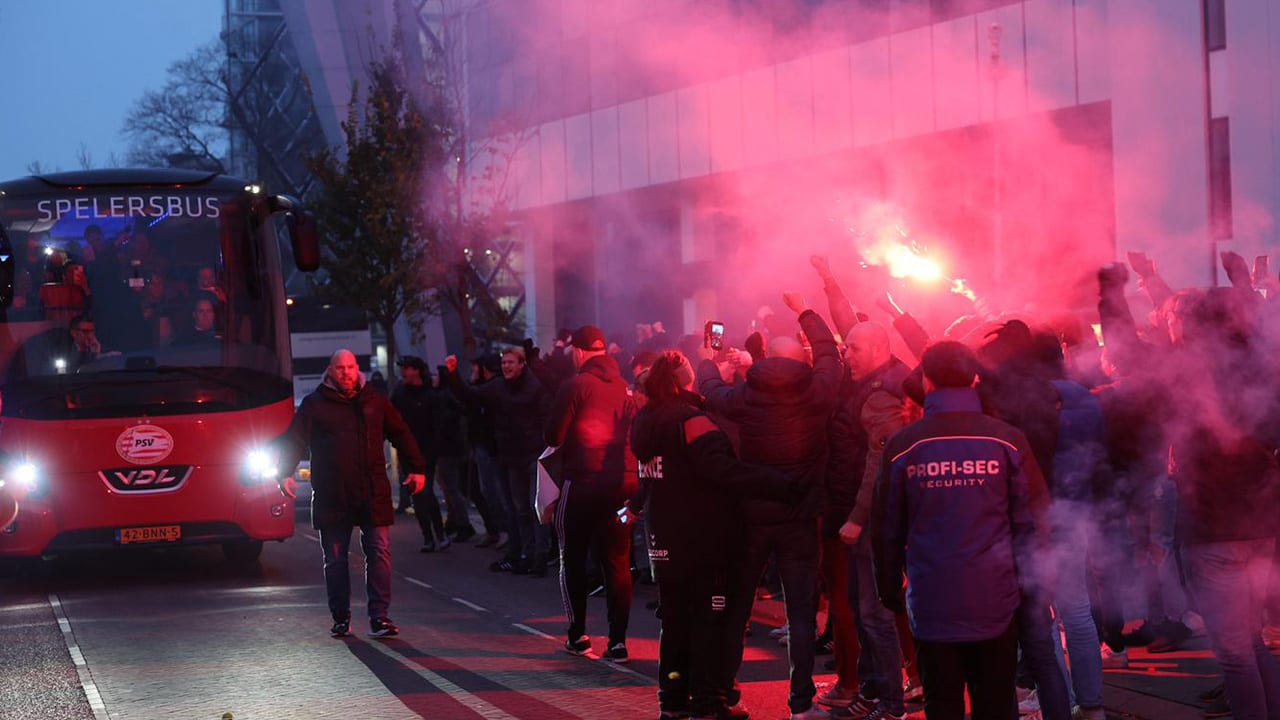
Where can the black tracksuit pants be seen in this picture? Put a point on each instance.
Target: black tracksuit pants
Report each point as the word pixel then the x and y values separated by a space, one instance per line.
pixel 587 513
pixel 695 645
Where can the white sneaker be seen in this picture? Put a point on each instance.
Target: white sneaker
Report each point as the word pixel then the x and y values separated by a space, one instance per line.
pixel 1271 636
pixel 1029 704
pixel 837 696
pixel 1194 622
pixel 1112 660
pixel 1079 713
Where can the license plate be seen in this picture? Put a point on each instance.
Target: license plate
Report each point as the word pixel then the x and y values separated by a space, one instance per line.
pixel 160 533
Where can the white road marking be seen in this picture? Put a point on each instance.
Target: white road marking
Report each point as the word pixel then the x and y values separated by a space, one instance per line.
pixel 419 583
pixel 82 668
pixel 471 605
pixel 532 631
pixel 477 705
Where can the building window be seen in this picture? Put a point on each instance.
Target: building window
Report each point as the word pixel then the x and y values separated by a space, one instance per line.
pixel 1215 24
pixel 1220 178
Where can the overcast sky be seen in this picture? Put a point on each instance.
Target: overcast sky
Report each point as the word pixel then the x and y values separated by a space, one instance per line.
pixel 70 70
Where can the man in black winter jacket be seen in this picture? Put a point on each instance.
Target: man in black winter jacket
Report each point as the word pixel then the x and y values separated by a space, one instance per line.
pixel 343 424
pixel 590 421
pixel 426 413
pixel 519 406
pixel 782 411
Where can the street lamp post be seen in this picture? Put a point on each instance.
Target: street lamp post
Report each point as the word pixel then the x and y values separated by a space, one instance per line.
pixel 996 72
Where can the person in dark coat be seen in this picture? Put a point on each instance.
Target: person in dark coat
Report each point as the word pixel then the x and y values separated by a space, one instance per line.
pixel 590 421
pixel 956 502
pixel 690 483
pixel 519 406
pixel 342 424
pixel 1222 420
pixel 415 400
pixel 782 412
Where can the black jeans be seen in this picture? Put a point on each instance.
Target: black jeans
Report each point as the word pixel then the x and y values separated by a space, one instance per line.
pixel 585 514
pixel 796 546
pixel 986 667
pixel 694 645
pixel 528 536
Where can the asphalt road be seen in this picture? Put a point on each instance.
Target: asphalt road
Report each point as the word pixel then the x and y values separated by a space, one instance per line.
pixel 181 633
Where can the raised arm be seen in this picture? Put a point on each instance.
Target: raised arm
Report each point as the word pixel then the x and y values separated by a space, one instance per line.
pixel 843 315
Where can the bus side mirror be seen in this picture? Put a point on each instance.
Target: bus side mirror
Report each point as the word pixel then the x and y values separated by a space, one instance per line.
pixel 305 240
pixel 6 270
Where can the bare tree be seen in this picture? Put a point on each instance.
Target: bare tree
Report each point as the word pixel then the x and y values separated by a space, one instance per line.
pixel 35 167
pixel 183 123
pixel 83 157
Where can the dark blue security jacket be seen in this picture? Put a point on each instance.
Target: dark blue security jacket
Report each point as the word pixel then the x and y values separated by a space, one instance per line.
pixel 954 510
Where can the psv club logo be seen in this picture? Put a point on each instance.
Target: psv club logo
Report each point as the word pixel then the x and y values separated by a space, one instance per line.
pixel 144 444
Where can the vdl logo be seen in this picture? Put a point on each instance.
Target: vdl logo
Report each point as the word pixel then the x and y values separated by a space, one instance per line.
pixel 153 479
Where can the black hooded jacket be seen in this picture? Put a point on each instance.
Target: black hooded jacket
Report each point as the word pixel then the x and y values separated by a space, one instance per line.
pixel 519 410
pixel 691 483
pixel 591 420
pixel 782 411
pixel 348 471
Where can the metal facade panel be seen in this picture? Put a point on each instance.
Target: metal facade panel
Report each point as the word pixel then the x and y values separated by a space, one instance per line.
pixel 958 69
pixel 832 108
pixel 872 92
pixel 695 148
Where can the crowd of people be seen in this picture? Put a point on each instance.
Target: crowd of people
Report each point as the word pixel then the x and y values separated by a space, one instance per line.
pixel 964 505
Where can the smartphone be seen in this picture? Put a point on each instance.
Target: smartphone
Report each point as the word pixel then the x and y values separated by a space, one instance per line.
pixel 715 334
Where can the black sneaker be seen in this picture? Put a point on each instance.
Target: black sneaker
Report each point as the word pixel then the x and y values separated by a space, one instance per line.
pixel 581 646
pixel 1217 709
pixel 617 652
pixel 1213 693
pixel 341 628
pixel 503 565
pixel 382 627
pixel 428 546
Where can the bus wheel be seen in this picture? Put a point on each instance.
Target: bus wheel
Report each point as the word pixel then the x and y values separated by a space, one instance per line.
pixel 242 551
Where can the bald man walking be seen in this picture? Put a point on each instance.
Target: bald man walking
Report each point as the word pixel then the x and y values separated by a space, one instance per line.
pixel 342 424
pixel 782 411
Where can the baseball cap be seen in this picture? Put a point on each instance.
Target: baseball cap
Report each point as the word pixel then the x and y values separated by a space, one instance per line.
pixel 588 337
pixel 412 361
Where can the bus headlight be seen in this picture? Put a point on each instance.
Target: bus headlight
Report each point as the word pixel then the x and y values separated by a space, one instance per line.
pixel 261 466
pixel 24 480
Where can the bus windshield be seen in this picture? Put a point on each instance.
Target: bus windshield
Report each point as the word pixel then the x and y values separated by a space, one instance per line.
pixel 140 301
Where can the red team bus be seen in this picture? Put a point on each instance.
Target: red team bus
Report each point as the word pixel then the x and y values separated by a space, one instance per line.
pixel 144 360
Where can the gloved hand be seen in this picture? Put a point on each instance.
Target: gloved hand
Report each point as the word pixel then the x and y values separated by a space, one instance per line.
pixel 1112 276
